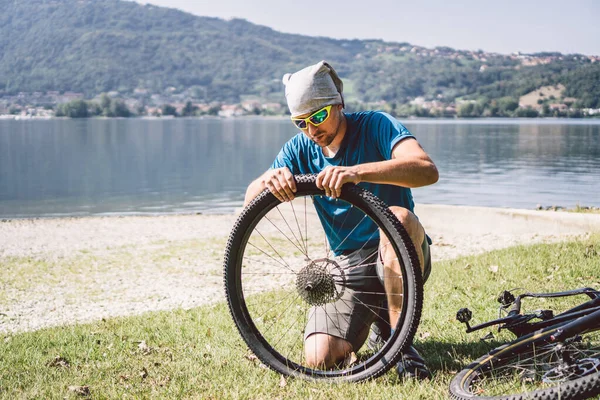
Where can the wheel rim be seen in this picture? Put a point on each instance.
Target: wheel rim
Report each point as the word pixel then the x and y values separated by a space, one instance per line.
pixel 286 268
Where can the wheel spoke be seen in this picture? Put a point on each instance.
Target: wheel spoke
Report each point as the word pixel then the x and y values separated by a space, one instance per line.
pixel 268 255
pixel 294 242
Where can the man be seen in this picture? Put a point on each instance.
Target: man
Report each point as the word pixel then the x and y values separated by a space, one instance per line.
pixel 371 148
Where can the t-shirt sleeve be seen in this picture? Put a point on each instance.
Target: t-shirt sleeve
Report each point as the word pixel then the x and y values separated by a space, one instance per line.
pixel 287 158
pixel 388 132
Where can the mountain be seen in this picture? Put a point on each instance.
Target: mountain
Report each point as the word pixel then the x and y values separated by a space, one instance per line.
pixel 95 46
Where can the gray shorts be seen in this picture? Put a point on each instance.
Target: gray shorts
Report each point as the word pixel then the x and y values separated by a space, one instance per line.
pixel 363 300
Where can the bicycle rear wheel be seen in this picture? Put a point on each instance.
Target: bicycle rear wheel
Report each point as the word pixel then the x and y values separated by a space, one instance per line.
pixel 534 367
pixel 279 266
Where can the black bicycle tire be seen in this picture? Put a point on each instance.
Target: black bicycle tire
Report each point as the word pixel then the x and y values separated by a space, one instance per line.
pixel 376 209
pixel 576 389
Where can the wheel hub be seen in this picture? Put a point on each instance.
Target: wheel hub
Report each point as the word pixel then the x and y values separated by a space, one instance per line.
pixel 316 282
pixel 567 372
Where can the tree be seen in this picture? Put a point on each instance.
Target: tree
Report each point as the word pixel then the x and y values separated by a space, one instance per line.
pixel 73 109
pixel 214 109
pixel 492 109
pixel 168 109
pixel 527 112
pixel 118 108
pixel 469 110
pixel 105 104
pixel 94 109
pixel 546 110
pixel 141 109
pixel 189 109
pixel 507 105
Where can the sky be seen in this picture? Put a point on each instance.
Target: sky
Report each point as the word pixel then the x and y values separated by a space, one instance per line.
pixel 504 26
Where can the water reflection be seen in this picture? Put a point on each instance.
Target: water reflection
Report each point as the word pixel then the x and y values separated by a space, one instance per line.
pixel 80 167
pixel 514 165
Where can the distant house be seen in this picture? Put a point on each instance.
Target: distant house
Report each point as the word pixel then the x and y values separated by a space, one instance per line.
pixel 251 105
pixel 418 101
pixel 154 111
pixel 179 107
pixel 273 107
pixel 451 109
pixel 559 107
pixel 591 111
pixel 231 110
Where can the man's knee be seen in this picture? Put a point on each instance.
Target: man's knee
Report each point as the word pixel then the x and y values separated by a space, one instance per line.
pixel 411 223
pixel 413 227
pixel 324 351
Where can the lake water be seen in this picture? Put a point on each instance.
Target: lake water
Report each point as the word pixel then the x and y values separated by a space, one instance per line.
pixel 143 166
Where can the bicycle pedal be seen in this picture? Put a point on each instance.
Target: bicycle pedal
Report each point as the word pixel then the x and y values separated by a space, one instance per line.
pixel 464 315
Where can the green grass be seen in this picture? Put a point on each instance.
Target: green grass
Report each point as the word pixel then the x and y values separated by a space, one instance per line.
pixel 585 209
pixel 198 353
pixel 577 209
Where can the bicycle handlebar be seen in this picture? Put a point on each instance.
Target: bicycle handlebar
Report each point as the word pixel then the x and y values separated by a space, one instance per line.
pixel 514 319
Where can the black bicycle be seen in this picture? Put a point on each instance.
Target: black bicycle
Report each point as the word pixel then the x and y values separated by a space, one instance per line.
pixel 553 357
pixel 279 267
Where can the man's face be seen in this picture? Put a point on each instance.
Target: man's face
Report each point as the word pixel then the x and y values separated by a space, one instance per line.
pixel 324 134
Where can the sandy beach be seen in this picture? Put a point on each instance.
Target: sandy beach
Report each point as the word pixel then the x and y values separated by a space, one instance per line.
pixel 73 270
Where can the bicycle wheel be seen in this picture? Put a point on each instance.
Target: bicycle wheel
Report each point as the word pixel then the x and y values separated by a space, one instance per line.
pixel 279 267
pixel 534 367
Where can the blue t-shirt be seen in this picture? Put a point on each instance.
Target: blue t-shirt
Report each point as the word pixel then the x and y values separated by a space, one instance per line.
pixel 370 137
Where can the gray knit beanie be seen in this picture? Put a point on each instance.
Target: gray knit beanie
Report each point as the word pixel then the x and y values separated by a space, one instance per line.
pixel 312 88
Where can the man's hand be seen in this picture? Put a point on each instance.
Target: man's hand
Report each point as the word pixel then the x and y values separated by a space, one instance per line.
pixel 280 182
pixel 331 179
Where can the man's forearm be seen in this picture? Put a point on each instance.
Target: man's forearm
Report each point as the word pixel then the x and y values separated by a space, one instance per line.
pixel 253 190
pixel 409 166
pixel 409 173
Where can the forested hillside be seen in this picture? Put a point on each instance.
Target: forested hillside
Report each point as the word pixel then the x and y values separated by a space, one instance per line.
pixel 96 46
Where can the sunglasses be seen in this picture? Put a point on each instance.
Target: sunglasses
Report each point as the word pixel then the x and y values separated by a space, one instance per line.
pixel 316 118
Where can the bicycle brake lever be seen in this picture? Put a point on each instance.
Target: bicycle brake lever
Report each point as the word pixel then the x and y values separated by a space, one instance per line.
pixel 544 315
pixel 506 298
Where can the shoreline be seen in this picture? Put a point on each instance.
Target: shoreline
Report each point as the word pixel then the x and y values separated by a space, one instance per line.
pixel 58 271
pixel 586 210
pixel 592 120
